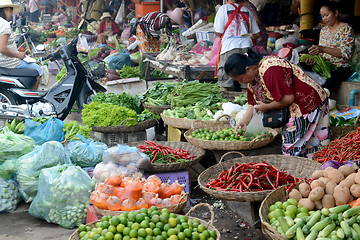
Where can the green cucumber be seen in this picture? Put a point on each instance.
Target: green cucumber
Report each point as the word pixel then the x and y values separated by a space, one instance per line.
pixel 340 217
pixel 279 229
pixel 351 220
pixel 275 222
pixel 345 226
pixel 351 212
pixel 327 230
pixel 313 220
pixel 290 222
pixel 283 224
pixel 340 209
pixel 356 227
pixel 299 234
pixel 334 216
pixel 322 224
pixel 325 211
pixel 335 238
pixel 292 230
pixel 312 236
pixel 340 233
pixel 354 234
pixel 358 219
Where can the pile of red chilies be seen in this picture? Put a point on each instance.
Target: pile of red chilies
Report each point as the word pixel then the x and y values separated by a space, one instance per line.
pixel 252 177
pixel 165 151
pixel 341 149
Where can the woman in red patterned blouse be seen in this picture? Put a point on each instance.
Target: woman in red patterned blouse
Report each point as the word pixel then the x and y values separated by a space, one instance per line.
pixel 275 83
pixel 336 44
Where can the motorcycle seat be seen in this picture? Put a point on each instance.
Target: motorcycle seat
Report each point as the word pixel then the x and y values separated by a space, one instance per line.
pixel 18 72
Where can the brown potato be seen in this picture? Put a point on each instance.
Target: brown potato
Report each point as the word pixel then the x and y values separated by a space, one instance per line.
pixel 324 180
pixel 316 194
pixel 346 170
pixel 304 189
pixel 317 183
pixel 295 194
pixel 341 195
pixel 352 198
pixel 318 205
pixel 349 181
pixel 328 201
pixel 307 203
pixel 355 190
pixel 357 177
pixel 335 176
pixel 330 187
pixel 317 174
pixel 327 170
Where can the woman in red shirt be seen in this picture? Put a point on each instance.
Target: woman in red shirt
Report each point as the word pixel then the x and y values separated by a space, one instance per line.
pixel 275 83
pixel 107 27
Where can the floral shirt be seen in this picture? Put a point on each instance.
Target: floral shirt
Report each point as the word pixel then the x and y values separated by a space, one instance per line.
pixel 277 78
pixel 343 39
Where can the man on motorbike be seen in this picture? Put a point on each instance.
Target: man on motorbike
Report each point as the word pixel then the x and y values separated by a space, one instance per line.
pixel 10 57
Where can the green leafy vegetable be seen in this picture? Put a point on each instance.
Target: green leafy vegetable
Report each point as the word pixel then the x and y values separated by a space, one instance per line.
pixel 124 99
pixel 129 72
pixel 158 92
pixel 61 74
pixel 147 115
pixel 73 128
pixel 322 65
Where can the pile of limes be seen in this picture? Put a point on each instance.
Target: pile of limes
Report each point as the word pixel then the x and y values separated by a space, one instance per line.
pixel 226 134
pixel 147 224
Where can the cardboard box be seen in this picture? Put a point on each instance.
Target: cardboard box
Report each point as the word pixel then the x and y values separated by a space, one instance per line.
pixel 207 35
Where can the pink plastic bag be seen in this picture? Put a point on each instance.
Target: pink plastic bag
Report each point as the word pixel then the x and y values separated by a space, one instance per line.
pixel 126 33
pixel 215 51
pixel 200 48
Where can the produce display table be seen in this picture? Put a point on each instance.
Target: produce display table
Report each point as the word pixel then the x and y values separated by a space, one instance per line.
pixel 187 72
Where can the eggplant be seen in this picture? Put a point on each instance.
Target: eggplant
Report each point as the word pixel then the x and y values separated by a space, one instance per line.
pixel 330 163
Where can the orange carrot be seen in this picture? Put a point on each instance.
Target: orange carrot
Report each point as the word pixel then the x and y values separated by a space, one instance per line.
pixel 355 203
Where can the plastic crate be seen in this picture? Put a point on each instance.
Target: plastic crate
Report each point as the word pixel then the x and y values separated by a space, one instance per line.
pixel 181 176
pixel 112 139
pixel 143 8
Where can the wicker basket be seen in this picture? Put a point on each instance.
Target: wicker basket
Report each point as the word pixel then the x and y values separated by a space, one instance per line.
pixel 227 145
pixel 156 109
pixel 166 167
pixel 173 208
pixel 340 131
pixel 296 166
pixel 276 195
pixel 209 225
pixel 123 128
pixel 184 123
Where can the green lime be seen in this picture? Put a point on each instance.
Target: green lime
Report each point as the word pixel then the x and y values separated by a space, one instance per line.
pixel 165 210
pixel 102 238
pixel 117 236
pixel 139 238
pixel 114 221
pixel 202 236
pixel 131 217
pixel 179 228
pixel 98 230
pixel 123 220
pixel 105 224
pixel 155 219
pixel 88 228
pixel 290 214
pixel 120 228
pixel 160 225
pixel 144 224
pixel 292 201
pixel 185 225
pixel 157 231
pixel 149 231
pixel 292 208
pixel 98 224
pixel 96 236
pixel 82 234
pixel 126 231
pixel 172 222
pixel 82 227
pixel 188 232
pixel 173 237
pixel 278 204
pixel 126 238
pixel 135 226
pixel 206 233
pixel 172 215
pixel 152 225
pixel 164 235
pixel 171 232
pixel 195 223
pixel 166 227
pixel 149 238
pixel 164 217
pixel 212 233
pixel 285 205
pixel 129 224
pixel 195 235
pixel 133 233
pixel 201 228
pixel 112 229
pixel 140 218
pixel 142 232
pixel 155 212
pixel 104 232
pixel 144 210
pixel 105 218
pixel 109 236
pixel 303 210
pixel 159 237
pixel 153 208
pixel 181 236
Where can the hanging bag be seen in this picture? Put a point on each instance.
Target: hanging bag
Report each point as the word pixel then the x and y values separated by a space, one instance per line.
pixel 231 18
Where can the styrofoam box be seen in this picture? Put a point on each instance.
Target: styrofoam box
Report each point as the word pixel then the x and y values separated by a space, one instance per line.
pixel 206 35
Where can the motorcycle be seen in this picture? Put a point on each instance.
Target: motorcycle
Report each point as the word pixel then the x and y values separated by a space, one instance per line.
pixel 17 98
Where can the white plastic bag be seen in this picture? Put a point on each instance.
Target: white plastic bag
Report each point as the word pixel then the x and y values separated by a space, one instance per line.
pixel 120 16
pixel 82 45
pixel 255 126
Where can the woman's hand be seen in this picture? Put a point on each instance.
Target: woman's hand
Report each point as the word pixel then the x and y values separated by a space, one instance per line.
pixel 241 126
pixel 316 50
pixel 21 55
pixel 310 61
pixel 261 106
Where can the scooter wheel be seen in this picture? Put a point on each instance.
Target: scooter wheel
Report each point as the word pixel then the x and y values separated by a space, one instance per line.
pixel 6 97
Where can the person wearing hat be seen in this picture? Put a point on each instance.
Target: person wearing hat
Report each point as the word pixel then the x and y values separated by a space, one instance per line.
pixel 148 27
pixel 10 57
pixel 108 27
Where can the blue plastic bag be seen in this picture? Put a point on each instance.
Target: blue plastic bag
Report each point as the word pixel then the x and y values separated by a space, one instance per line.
pixel 51 130
pixel 118 60
pixel 85 153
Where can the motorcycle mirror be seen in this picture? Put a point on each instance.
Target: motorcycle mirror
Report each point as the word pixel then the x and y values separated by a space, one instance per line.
pixel 40 47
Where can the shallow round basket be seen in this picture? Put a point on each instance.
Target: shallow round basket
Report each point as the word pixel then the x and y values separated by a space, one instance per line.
pixel 276 195
pixel 184 123
pixel 340 131
pixel 156 109
pixel 173 208
pixel 123 128
pixel 169 167
pixel 227 145
pixel 209 224
pixel 296 166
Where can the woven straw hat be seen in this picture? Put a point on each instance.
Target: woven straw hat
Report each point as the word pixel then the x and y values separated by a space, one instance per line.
pixel 176 15
pixel 105 15
pixel 8 3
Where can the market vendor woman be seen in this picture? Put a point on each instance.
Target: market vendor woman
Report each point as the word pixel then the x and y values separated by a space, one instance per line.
pixel 148 26
pixel 275 83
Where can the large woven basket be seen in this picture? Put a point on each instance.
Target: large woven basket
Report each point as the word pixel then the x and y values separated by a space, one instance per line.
pixel 227 145
pixel 296 166
pixel 276 195
pixel 184 123
pixel 123 128
pixel 178 208
pixel 340 131
pixel 156 109
pixel 169 167
pixel 209 224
